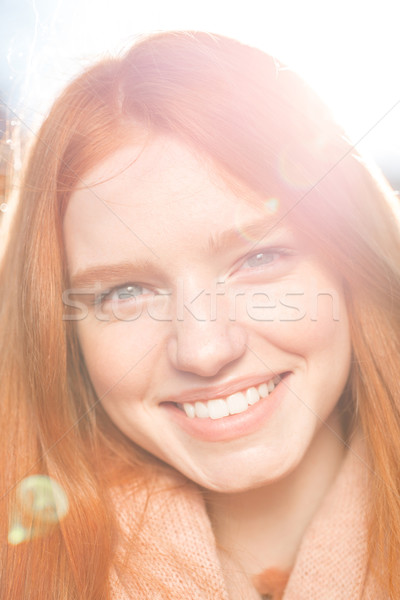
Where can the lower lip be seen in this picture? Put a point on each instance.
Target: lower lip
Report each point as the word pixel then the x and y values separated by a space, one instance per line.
pixel 232 427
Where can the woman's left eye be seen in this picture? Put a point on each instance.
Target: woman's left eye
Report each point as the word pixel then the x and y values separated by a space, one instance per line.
pixel 264 257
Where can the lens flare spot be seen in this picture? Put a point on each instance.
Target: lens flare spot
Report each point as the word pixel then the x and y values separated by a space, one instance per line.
pixel 17 534
pixel 271 206
pixel 268 208
pixel 40 502
pixel 43 496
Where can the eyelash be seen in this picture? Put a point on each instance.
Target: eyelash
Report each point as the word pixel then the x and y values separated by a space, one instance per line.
pixel 271 251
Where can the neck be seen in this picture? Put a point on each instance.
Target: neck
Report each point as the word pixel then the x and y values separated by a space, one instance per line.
pixel 263 527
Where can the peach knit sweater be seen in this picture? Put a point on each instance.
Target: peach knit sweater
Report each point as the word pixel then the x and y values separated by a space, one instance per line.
pixel 330 565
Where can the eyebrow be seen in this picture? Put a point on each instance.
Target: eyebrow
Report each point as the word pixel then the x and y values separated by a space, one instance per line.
pixel 92 276
pixel 255 232
pixel 128 271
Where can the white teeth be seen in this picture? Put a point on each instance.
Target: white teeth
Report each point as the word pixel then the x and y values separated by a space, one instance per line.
pixel 217 408
pixel 189 410
pixel 237 403
pixel 263 390
pixel 232 405
pixel 252 396
pixel 201 410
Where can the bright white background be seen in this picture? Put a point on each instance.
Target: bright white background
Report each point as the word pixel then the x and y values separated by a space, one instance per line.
pixel 348 50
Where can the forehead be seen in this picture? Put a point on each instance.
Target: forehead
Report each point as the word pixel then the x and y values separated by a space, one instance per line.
pixel 160 168
pixel 158 195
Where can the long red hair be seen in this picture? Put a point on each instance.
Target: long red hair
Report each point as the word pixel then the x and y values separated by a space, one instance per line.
pixel 262 127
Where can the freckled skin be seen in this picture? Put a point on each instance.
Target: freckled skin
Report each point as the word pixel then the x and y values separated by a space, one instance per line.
pixel 290 316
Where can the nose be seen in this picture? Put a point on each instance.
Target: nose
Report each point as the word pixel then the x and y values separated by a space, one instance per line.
pixel 203 344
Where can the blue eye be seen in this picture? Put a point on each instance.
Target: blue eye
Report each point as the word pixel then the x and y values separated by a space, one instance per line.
pixel 261 258
pixel 126 292
pixel 122 293
pixel 265 257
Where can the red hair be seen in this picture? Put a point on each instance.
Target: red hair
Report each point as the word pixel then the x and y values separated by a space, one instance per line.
pixel 262 127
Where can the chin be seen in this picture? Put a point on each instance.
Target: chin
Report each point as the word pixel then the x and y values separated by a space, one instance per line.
pixel 235 479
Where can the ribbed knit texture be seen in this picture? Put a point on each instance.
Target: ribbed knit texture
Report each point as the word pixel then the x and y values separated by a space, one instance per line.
pixel 331 561
pixel 177 526
pixel 330 565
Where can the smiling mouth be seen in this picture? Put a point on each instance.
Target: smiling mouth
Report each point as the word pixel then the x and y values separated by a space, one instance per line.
pixel 231 405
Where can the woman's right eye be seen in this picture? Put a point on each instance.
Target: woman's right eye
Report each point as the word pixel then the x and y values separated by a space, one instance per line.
pixel 123 293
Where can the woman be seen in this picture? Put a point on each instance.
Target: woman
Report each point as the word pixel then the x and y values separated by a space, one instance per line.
pixel 200 340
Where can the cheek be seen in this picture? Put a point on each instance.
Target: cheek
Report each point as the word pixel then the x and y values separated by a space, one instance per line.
pixel 321 340
pixel 311 335
pixel 116 362
pixel 303 319
pixel 311 326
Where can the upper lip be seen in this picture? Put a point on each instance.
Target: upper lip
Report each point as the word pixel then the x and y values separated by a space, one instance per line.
pixel 222 390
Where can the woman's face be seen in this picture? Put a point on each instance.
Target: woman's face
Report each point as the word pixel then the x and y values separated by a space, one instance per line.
pixel 215 341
